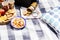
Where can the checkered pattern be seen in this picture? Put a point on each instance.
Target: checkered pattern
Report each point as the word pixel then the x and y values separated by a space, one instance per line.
pixel 52 17
pixel 46 5
pixel 50 10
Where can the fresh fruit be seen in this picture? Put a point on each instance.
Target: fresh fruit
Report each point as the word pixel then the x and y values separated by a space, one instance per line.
pixel 5 8
pixel 2 12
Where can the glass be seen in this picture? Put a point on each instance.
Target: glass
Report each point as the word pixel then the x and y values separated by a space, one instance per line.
pixel 11 4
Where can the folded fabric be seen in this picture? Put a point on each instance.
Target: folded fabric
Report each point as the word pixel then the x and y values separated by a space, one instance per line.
pixel 52 17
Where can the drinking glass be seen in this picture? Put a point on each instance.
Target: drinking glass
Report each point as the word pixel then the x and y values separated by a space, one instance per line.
pixel 11 4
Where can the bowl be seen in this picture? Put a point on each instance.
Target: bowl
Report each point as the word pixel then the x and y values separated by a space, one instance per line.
pixel 18 23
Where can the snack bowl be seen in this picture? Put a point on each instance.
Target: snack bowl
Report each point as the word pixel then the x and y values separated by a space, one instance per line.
pixel 18 23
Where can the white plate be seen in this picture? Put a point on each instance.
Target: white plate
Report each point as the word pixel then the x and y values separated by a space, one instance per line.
pixel 35 14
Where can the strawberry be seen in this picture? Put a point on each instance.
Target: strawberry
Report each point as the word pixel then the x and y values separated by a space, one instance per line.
pixel 2 11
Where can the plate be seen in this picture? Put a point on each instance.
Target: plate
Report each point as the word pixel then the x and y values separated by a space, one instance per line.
pixel 7 17
pixel 35 14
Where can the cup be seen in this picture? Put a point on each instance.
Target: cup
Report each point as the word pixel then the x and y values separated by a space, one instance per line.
pixel 11 4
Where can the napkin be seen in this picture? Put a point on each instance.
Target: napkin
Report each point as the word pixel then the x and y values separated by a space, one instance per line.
pixel 52 17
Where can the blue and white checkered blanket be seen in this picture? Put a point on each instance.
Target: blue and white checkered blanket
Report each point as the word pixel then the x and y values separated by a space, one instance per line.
pixel 51 12
pixel 52 17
